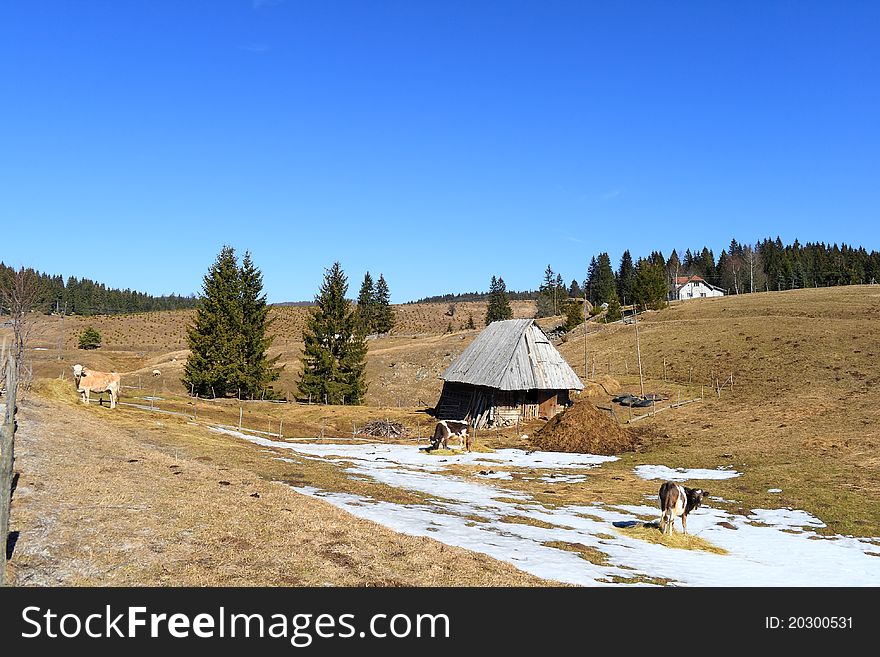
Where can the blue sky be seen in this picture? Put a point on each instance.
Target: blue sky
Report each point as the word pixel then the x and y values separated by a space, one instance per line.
pixel 437 142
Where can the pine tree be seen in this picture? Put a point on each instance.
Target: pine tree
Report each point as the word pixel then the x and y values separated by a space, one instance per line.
pixel 470 322
pixel 604 284
pixel 334 353
pixel 574 314
pixel 366 306
pixel 547 297
pixel 383 313
pixel 259 370
pixel 560 295
pixel 89 339
pixel 216 337
pixel 625 275
pixel 613 313
pixel 590 282
pixel 649 286
pixel 499 303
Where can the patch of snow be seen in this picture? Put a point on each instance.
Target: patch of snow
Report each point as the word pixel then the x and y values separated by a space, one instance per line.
pixel 762 551
pixel 496 475
pixel 563 479
pixel 411 455
pixel 788 518
pixel 682 474
pixel 774 490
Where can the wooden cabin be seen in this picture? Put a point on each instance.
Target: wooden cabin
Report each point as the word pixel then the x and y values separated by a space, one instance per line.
pixel 509 372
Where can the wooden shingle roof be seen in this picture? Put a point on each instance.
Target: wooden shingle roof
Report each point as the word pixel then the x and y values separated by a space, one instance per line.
pixel 513 354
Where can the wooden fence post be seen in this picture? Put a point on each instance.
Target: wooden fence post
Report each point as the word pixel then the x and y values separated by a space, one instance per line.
pixel 7 451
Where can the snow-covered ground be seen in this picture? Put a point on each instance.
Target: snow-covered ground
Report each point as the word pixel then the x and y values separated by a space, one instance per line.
pixel 682 474
pixel 770 547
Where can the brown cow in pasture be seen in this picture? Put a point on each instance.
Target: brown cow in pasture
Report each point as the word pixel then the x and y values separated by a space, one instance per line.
pixel 88 381
pixel 447 429
pixel 678 501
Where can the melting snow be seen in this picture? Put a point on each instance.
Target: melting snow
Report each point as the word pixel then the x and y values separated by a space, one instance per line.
pixel 563 479
pixel 682 474
pixel 770 547
pixel 788 518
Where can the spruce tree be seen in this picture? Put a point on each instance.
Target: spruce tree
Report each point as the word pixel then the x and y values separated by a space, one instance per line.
pixel 560 295
pixel 604 284
pixel 384 314
pixel 89 339
pixel 366 306
pixel 574 314
pixel 215 364
pixel 334 354
pixel 649 285
pixel 470 323
pixel 613 313
pixel 590 282
pixel 625 275
pixel 499 303
pixel 259 370
pixel 547 296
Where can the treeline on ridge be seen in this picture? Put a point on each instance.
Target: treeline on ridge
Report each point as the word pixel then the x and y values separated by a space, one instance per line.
pixel 83 296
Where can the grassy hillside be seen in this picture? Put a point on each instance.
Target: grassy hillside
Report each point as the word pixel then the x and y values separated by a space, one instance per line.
pixel 136 344
pixel 800 423
pixel 804 413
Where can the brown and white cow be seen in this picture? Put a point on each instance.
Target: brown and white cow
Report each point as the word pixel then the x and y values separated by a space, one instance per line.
pixel 447 429
pixel 88 381
pixel 678 501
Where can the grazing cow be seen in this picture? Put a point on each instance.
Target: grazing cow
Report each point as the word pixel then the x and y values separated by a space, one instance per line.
pixel 88 381
pixel 678 501
pixel 446 429
pixel 157 373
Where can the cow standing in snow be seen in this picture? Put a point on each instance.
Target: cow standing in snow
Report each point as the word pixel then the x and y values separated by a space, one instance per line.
pixel 88 381
pixel 678 501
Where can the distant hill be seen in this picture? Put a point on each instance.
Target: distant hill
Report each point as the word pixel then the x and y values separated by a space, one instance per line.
pixel 293 303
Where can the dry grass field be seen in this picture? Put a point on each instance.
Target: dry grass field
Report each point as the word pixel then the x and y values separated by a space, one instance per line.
pixel 802 417
pixel 137 344
pixel 113 503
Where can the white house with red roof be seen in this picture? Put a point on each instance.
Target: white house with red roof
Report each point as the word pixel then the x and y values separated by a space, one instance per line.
pixel 693 287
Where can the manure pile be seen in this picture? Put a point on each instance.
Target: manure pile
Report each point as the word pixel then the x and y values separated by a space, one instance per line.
pixel 585 429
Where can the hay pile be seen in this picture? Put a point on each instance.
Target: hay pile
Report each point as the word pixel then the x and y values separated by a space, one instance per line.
pixel 601 385
pixel 585 429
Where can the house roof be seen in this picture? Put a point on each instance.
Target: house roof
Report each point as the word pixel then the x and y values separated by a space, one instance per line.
pixel 513 354
pixel 681 281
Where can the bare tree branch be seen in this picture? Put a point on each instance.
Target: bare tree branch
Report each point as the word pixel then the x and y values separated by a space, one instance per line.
pixel 18 297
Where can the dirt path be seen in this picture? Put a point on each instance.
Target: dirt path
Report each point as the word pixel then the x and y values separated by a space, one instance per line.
pixel 96 505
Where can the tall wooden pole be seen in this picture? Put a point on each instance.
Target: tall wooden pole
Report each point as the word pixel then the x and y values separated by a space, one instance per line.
pixel 585 336
pixel 639 351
